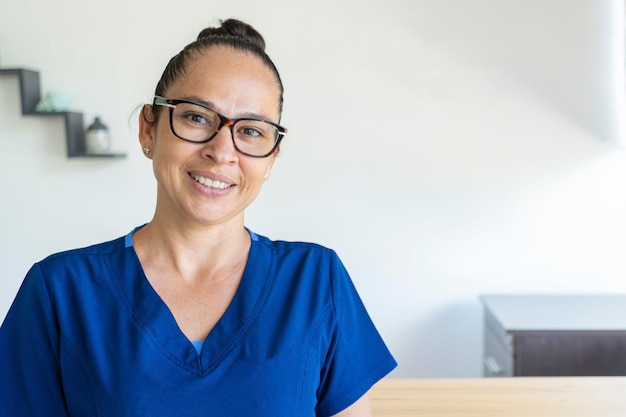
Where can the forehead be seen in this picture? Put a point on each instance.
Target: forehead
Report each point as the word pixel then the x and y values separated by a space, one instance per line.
pixel 234 81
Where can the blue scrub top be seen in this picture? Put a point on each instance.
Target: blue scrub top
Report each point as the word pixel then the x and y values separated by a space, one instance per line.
pixel 87 335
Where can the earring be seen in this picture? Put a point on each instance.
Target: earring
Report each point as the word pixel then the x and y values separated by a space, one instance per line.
pixel 146 151
pixel 265 176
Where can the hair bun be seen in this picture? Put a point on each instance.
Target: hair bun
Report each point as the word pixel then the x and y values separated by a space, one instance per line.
pixel 236 28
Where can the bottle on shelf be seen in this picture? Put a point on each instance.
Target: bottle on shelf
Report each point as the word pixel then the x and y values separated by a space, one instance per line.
pixel 97 139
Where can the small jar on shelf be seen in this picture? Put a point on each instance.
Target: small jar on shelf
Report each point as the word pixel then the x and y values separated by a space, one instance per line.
pixel 97 138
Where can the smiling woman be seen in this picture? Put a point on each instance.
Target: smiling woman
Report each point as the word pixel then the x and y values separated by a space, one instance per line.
pixel 193 314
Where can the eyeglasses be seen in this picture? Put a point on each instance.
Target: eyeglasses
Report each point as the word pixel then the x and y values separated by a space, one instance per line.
pixel 197 123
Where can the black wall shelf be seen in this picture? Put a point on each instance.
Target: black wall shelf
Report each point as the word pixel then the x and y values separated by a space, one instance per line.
pixel 30 93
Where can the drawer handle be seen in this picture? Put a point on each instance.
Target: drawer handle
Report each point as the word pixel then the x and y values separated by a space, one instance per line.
pixel 492 366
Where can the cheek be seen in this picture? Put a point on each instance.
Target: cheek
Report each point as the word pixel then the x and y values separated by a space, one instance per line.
pixel 256 172
pixel 161 129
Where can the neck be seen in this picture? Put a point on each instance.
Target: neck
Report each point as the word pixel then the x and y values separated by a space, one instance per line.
pixel 192 251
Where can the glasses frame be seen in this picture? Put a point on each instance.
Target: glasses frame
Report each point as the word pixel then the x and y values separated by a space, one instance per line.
pixel 224 122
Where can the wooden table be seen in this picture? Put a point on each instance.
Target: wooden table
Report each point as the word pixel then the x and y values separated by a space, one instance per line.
pixel 501 397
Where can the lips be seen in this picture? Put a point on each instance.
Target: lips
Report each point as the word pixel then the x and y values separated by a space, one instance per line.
pixel 209 183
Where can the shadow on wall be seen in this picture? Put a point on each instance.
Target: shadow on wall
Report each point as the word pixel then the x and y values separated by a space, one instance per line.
pixel 438 349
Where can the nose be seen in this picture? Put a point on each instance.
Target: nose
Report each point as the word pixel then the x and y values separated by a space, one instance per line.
pixel 222 147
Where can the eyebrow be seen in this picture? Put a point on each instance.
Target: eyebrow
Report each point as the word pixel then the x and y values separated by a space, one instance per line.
pixel 215 108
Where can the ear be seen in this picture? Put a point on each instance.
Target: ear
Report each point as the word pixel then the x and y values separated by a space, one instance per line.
pixel 147 128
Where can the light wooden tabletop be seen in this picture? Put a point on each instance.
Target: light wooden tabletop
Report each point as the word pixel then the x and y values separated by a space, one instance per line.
pixel 501 397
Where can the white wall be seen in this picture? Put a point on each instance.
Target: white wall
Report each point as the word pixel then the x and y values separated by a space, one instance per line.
pixel 445 148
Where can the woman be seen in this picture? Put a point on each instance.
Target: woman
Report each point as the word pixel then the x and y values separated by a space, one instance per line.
pixel 192 314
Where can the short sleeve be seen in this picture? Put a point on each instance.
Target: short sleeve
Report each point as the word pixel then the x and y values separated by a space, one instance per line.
pixel 29 364
pixel 357 357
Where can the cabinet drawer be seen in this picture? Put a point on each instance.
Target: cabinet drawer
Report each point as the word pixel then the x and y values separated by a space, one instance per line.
pixel 570 354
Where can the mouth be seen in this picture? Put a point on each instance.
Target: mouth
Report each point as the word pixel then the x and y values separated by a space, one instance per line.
pixel 207 182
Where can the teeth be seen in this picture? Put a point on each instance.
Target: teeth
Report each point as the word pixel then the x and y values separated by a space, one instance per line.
pixel 208 183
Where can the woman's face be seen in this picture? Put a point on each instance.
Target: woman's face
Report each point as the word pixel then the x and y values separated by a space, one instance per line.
pixel 235 84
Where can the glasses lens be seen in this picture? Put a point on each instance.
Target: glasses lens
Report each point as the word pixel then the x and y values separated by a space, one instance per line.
pixel 255 137
pixel 194 123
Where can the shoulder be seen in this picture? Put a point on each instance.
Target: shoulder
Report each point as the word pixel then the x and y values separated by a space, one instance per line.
pixel 70 276
pixel 79 267
pixel 310 267
pixel 81 254
pixel 294 248
pixel 302 256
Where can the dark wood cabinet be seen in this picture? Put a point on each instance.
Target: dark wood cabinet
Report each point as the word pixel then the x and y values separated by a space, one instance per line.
pixel 554 335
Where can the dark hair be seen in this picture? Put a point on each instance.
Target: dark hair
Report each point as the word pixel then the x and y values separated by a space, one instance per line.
pixel 232 33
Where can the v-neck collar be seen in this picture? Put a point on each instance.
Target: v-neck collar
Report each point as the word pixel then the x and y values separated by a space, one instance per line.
pixel 152 314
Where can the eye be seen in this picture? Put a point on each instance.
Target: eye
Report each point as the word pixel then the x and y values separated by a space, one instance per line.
pixel 197 118
pixel 252 132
